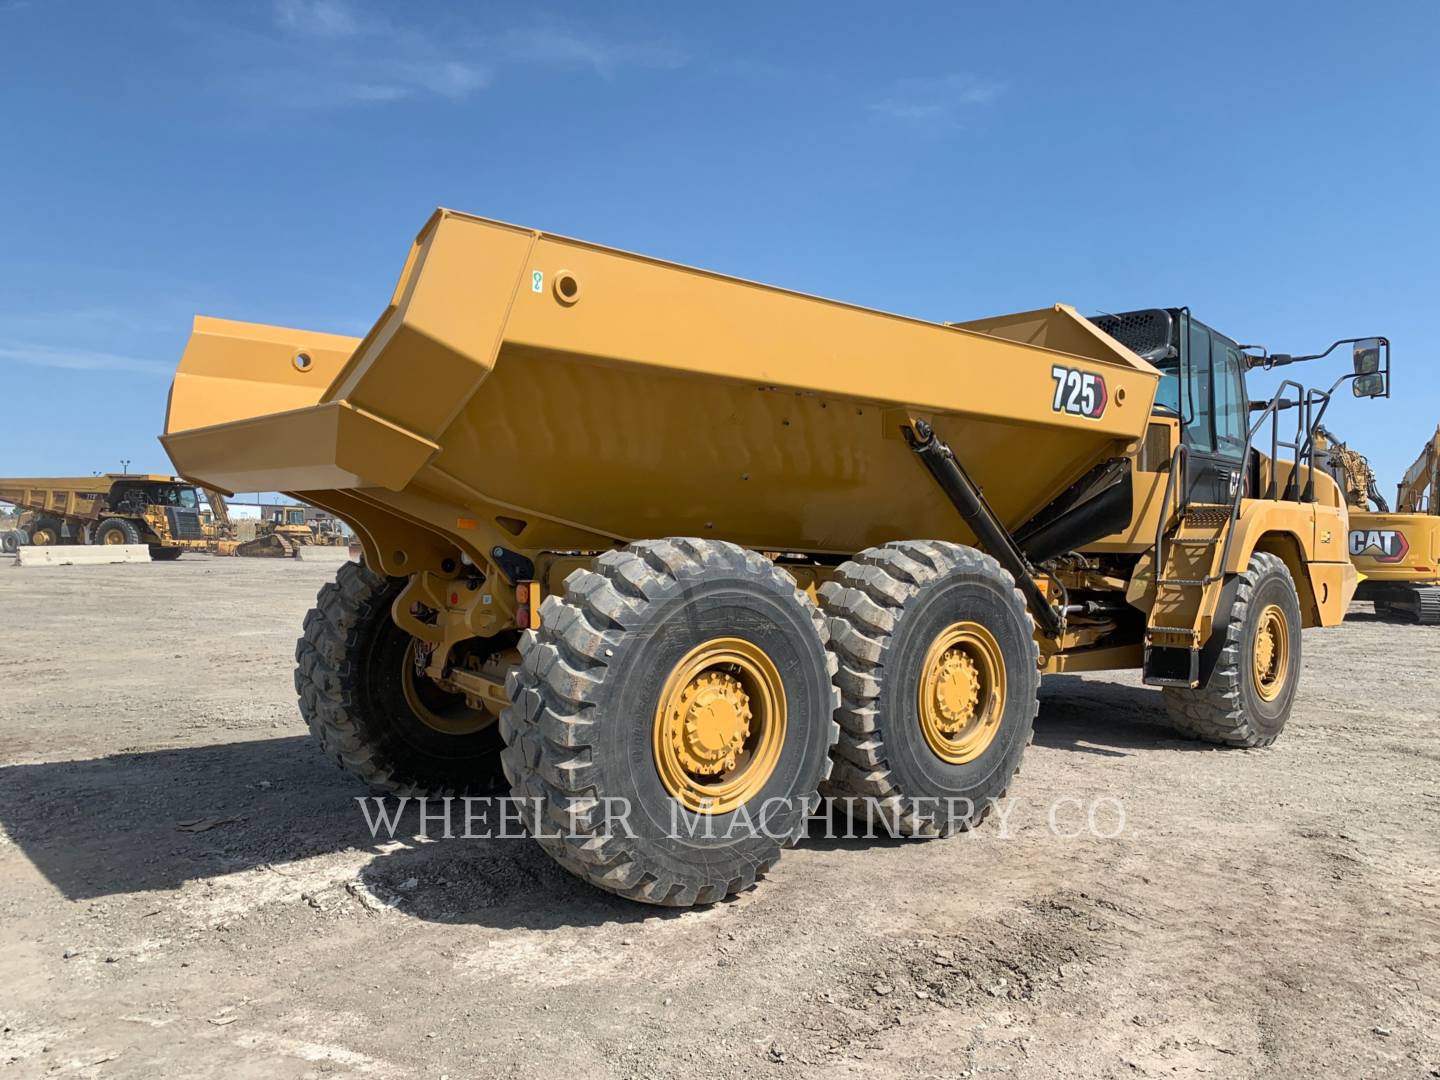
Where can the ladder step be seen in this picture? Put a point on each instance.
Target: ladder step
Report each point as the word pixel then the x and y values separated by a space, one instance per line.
pixel 1154 680
pixel 1182 630
pixel 1196 541
pixel 1183 581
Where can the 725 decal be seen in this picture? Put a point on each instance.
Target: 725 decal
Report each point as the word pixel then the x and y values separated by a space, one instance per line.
pixel 1079 393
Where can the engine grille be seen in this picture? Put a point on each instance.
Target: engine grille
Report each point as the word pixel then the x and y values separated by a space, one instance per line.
pixel 1142 332
pixel 184 524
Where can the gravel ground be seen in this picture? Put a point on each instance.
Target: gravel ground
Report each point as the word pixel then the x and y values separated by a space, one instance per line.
pixel 187 888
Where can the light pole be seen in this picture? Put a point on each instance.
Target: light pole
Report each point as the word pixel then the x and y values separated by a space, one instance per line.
pixel 125 466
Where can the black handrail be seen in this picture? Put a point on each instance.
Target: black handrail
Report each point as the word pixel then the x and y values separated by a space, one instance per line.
pixel 1306 419
pixel 1177 468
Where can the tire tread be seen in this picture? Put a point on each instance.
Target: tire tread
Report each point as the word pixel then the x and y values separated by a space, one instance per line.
pixel 864 602
pixel 549 730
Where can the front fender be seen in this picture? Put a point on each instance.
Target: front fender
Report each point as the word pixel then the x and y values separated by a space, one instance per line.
pixel 1311 539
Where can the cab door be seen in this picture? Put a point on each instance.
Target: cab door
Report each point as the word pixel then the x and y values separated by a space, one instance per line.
pixel 1214 415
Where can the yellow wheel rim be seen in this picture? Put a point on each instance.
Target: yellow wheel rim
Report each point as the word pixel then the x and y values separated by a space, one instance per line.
pixel 113 536
pixel 41 537
pixel 445 712
pixel 719 725
pixel 1271 659
pixel 961 692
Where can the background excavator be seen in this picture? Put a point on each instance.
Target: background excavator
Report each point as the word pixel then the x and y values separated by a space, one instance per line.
pixel 1397 553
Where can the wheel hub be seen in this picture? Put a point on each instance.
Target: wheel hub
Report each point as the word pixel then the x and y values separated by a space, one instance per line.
pixel 1271 656
pixel 957 691
pixel 440 708
pixel 712 723
pixel 961 692
pixel 1265 650
pixel 719 725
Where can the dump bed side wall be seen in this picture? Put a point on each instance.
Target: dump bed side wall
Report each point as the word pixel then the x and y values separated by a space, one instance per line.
pixel 651 399
pixel 238 370
pixel 472 287
pixel 1076 336
pixel 65 496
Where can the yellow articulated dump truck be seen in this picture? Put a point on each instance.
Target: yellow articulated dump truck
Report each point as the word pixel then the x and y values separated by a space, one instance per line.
pixel 664 553
pixel 116 508
pixel 1396 553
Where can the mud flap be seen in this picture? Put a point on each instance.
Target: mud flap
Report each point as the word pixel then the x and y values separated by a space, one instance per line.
pixel 1211 650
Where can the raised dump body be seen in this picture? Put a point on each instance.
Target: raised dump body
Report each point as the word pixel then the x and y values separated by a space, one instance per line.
pixel 531 391
pixel 63 496
pixel 644 536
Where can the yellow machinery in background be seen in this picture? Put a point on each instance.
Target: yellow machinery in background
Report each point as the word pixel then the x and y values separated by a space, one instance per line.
pixel 642 536
pixel 280 536
pixel 1397 553
pixel 115 508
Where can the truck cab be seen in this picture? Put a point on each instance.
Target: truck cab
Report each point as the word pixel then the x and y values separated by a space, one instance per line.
pixel 135 495
pixel 1202 386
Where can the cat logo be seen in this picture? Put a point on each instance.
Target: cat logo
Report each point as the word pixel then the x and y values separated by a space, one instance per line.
pixel 1382 545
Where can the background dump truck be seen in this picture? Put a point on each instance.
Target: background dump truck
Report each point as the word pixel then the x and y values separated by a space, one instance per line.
pixel 637 535
pixel 116 508
pixel 1397 553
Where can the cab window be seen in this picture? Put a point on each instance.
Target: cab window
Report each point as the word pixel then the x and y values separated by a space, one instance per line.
pixel 1232 408
pixel 1196 408
pixel 1167 393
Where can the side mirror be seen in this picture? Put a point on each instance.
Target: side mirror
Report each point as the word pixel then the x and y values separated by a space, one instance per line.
pixel 1367 360
pixel 1369 385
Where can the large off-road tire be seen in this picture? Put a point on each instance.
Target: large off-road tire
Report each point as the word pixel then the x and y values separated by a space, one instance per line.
pixel 45 534
pixel 12 540
pixel 161 553
pixel 1251 691
pixel 372 714
pixel 939 677
pixel 635 690
pixel 117 531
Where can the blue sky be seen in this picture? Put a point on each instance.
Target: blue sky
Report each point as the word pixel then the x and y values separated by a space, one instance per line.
pixel 1274 166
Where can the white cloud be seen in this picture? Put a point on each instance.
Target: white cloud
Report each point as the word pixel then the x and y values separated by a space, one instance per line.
pixel 938 100
pixel 554 44
pixel 317 18
pixel 332 54
pixel 65 359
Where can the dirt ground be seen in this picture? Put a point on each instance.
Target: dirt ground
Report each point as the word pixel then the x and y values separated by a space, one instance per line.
pixel 187 888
